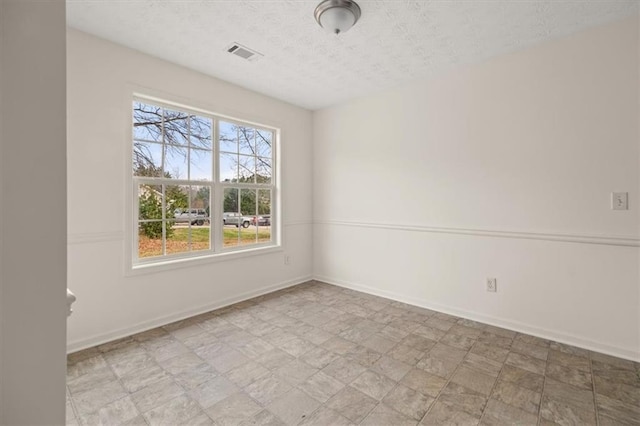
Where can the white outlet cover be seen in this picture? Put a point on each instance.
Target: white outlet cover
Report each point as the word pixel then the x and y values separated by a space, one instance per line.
pixel 492 285
pixel 620 201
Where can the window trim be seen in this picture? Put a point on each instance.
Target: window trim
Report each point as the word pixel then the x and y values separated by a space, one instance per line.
pixel 217 251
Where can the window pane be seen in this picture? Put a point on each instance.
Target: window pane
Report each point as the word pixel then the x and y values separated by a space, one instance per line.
pixel 201 237
pixel 228 137
pixel 175 162
pixel 201 132
pixel 147 122
pixel 231 200
pixel 264 202
pixel 178 237
pixel 176 127
pixel 263 143
pixel 201 199
pixel 247 169
pixel 150 202
pixel 246 140
pixel 228 167
pixel 201 165
pixel 231 236
pixel 248 234
pixel 147 159
pixel 177 202
pixel 263 170
pixel 149 247
pixel 264 216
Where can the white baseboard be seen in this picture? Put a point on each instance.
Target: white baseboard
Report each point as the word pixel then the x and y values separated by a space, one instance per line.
pixel 85 343
pixel 565 338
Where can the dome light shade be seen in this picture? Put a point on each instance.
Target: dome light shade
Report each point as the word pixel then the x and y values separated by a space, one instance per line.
pixel 337 16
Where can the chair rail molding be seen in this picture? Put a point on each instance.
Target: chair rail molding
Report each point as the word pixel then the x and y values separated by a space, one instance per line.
pixel 611 240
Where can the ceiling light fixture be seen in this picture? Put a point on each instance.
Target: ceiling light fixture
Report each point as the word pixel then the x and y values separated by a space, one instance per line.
pixel 337 16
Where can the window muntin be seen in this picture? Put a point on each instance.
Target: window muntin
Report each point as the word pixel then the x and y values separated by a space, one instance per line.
pixel 192 170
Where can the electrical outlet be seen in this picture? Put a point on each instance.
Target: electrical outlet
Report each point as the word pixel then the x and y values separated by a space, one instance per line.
pixel 492 285
pixel 620 201
pixel 287 259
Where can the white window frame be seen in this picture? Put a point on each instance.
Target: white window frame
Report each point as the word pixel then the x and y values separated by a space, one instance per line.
pixel 216 251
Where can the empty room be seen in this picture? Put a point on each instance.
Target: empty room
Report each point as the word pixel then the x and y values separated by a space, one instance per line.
pixel 310 212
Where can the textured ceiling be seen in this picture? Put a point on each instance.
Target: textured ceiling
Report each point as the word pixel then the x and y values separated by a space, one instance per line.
pixel 394 42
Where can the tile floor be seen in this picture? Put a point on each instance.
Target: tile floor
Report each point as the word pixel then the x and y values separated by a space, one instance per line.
pixel 317 354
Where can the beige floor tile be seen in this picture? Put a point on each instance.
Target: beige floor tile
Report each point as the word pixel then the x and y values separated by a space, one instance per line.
pixel 535 351
pixel 352 404
pixel 461 342
pixel 383 415
pixel 293 407
pixel 562 412
pixel 463 399
pixel 442 367
pixel 295 372
pixel 233 409
pixel 92 400
pixel 408 402
pixel 246 374
pixel 319 357
pixel 423 382
pixel 139 379
pixel 516 396
pixel 569 375
pixel 297 346
pixel 620 411
pixel 522 378
pixel 498 413
pixel 274 359
pixel 373 384
pixel 490 351
pixel 263 418
pixel 616 390
pixel 444 414
pixel 474 380
pixel 196 376
pixel 418 342
pixel 114 413
pixel 392 368
pixel 176 411
pixel 569 360
pixel 482 364
pixel 321 386
pixel 526 362
pixel 344 370
pixel 215 390
pixel 364 356
pixel 91 379
pixel 324 416
pixel 406 354
pixel 267 388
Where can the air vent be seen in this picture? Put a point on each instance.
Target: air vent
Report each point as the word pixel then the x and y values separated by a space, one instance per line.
pixel 243 52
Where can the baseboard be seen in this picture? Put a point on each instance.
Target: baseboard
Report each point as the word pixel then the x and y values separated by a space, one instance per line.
pixel 490 320
pixel 78 345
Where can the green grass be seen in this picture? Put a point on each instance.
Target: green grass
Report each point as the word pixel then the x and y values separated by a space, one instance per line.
pixel 179 241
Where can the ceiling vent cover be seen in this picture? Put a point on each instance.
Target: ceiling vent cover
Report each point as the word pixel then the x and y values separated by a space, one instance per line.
pixel 243 52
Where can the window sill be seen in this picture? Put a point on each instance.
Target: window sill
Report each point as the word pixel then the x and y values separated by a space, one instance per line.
pixel 172 264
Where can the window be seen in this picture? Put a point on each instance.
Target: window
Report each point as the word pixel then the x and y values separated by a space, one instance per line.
pixel 202 184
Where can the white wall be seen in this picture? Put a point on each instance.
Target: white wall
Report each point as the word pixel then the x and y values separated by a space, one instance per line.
pixel 101 78
pixel 33 217
pixel 502 169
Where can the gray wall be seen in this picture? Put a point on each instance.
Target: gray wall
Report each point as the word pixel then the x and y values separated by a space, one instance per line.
pixel 33 217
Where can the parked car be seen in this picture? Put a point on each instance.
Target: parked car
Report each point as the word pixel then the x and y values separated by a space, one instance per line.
pixel 193 216
pixel 264 220
pixel 233 218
